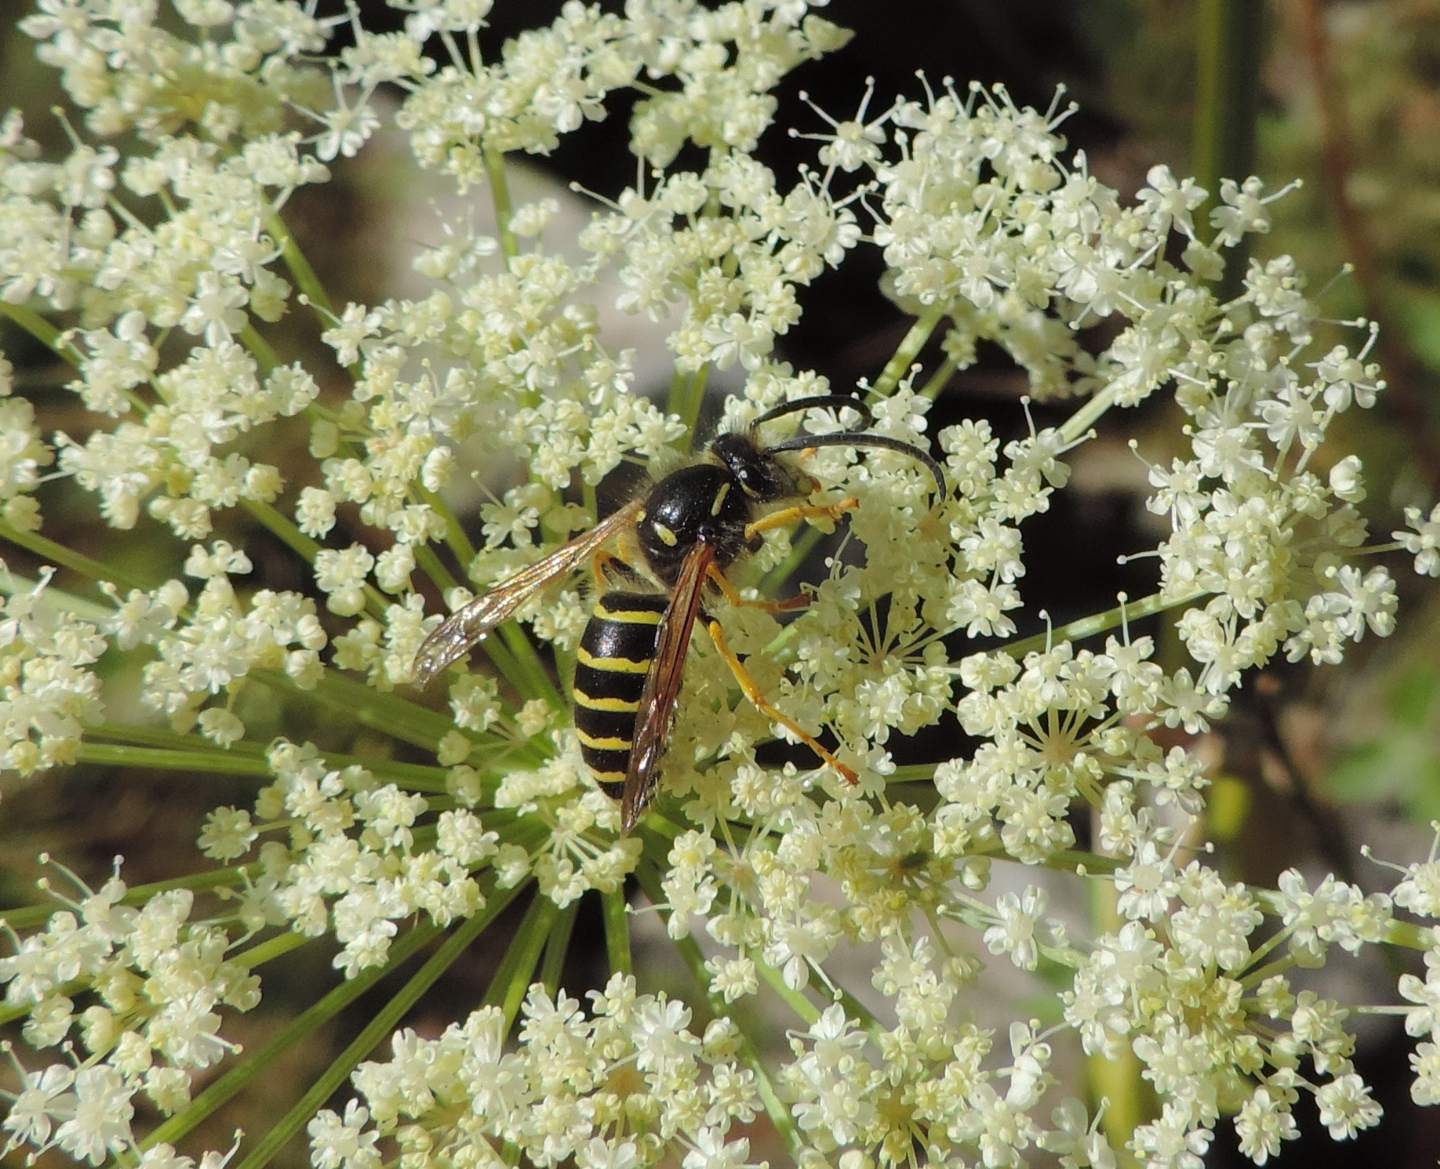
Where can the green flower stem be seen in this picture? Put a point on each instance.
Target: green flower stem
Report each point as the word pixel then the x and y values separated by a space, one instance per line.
pixel 939 379
pixel 43 331
pixel 1229 42
pixel 689 951
pixel 516 970
pixel 25 917
pixel 304 1026
pixel 1116 1080
pixel 59 554
pixel 557 946
pixel 455 537
pixel 166 759
pixel 794 999
pixel 157 737
pixel 500 196
pixel 431 565
pixel 375 1032
pixel 1075 427
pixel 54 599
pixel 420 776
pixel 907 351
pixel 687 395
pixel 387 713
pixel 1097 623
pixel 260 349
pixel 298 542
pixel 535 678
pixel 272 948
pixel 298 265
pixel 617 932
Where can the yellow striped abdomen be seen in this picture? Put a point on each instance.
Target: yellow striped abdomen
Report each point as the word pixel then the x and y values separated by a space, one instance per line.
pixel 615 655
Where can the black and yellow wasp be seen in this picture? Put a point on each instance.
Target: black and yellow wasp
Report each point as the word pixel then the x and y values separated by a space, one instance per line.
pixel 687 530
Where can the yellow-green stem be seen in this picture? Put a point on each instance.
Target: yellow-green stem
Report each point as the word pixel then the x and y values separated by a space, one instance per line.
pixel 299 266
pixel 1117 1081
pixel 64 557
pixel 376 1031
pixel 517 969
pixel 557 946
pixel 1098 623
pixel 284 529
pixel 43 331
pixel 500 196
pixel 617 931
pixel 690 952
pixel 305 1025
pixel 907 351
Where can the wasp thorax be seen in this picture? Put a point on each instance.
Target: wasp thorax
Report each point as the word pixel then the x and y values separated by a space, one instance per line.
pixel 699 504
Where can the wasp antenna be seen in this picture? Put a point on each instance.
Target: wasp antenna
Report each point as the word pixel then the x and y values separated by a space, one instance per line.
pixel 879 441
pixel 818 401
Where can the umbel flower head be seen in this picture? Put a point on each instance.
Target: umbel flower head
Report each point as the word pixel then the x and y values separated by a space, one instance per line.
pixel 152 258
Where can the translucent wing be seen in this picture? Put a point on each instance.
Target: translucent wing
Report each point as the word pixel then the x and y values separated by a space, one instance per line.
pixel 449 642
pixel 662 684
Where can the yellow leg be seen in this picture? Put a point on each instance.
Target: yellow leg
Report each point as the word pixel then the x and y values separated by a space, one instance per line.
pixel 785 605
pixel 801 511
pixel 601 565
pixel 762 704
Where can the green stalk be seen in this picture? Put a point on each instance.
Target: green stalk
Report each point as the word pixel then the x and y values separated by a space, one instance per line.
pixel 1229 39
pixel 517 969
pixel 24 917
pixel 304 1026
pixel 43 331
pixel 907 351
pixel 260 349
pixel 617 932
pixel 384 1021
pixel 455 537
pixel 166 759
pixel 687 395
pixel 431 566
pixel 689 951
pixel 66 558
pixel 1097 623
pixel 387 713
pixel 272 948
pixel 1084 418
pixel 281 526
pixel 299 266
pixel 500 196
pixel 420 776
pixel 557 946
pixel 156 737
pixel 794 999
pixel 54 599
pixel 534 677
pixel 1116 1081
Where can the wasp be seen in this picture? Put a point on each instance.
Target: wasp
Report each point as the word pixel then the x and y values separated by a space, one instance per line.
pixel 686 531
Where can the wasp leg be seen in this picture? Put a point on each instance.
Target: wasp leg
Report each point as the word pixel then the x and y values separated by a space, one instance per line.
pixel 732 594
pixel 762 704
pixel 801 511
pixel 604 565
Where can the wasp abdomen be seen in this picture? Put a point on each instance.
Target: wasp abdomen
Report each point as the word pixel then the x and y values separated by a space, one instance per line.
pixel 615 655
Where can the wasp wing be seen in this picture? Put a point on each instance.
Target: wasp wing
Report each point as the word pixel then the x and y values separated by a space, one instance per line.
pixel 656 712
pixel 450 641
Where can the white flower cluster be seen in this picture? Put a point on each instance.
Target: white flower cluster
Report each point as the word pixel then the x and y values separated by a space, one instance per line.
pixel 164 271
pixel 608 1089
pixel 49 690
pixel 159 978
pixel 359 862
